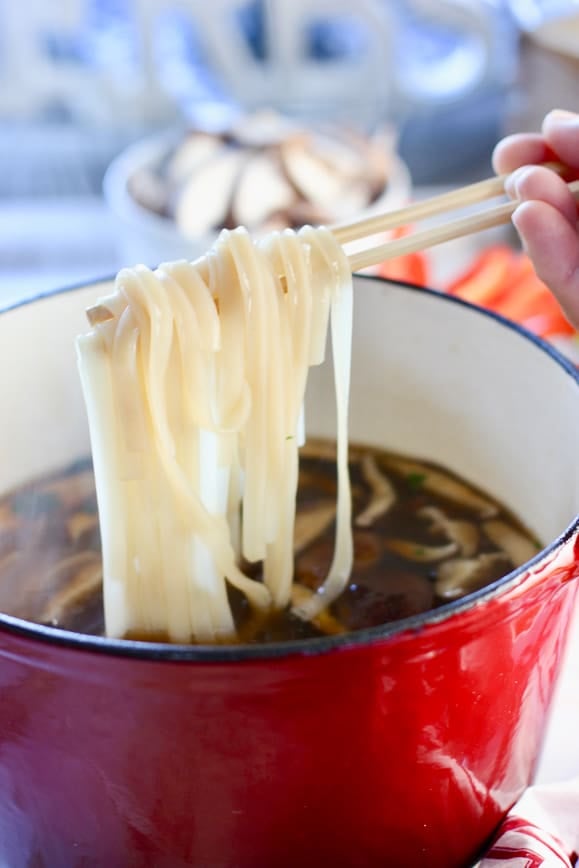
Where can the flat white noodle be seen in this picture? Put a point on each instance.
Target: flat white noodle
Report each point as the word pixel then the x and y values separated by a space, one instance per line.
pixel 195 390
pixel 341 322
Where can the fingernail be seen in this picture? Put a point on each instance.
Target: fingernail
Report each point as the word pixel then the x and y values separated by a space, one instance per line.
pixel 561 117
pixel 514 181
pixel 515 219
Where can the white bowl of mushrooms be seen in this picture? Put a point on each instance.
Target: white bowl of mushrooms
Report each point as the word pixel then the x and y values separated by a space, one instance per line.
pixel 171 194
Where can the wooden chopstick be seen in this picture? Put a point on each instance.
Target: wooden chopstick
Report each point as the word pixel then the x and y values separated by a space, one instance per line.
pixel 451 201
pixel 421 240
pixel 420 210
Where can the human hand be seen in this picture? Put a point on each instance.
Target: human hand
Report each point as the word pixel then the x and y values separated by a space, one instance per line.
pixel 547 218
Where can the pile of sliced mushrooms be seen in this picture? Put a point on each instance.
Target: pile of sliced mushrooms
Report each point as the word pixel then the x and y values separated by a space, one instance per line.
pixel 265 173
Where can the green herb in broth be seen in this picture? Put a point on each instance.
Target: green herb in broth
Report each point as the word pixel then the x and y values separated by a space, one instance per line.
pixel 415 548
pixel 415 481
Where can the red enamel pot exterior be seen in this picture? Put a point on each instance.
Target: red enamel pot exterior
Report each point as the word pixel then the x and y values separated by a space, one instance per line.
pixel 396 751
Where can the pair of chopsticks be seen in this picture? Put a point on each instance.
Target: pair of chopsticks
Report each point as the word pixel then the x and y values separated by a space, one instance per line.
pixel 422 239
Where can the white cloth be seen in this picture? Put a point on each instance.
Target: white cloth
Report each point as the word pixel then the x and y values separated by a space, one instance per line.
pixel 541 831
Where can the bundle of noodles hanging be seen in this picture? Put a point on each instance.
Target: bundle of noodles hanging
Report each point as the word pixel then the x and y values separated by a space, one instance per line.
pixel 194 378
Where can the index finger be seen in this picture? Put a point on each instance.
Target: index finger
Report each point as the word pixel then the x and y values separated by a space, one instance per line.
pixel 521 149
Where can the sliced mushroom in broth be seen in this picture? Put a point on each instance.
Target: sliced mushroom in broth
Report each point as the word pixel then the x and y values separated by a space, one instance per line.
pixel 422 538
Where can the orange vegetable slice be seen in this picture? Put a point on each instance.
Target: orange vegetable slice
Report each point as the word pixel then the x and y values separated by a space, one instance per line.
pixel 412 268
pixel 546 325
pixel 531 303
pixel 488 278
pixel 525 298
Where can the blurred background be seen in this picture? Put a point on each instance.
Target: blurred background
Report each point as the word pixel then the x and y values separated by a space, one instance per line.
pixel 434 83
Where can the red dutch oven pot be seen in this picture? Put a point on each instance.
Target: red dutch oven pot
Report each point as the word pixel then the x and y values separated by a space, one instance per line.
pixel 397 746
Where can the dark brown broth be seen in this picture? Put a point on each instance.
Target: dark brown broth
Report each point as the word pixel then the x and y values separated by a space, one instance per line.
pixel 50 552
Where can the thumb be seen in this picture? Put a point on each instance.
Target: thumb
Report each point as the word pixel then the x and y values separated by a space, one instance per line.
pixel 553 245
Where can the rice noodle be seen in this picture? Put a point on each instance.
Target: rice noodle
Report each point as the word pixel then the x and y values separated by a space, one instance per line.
pixel 195 391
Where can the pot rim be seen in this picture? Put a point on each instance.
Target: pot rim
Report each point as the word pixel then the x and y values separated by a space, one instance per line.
pixel 161 651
